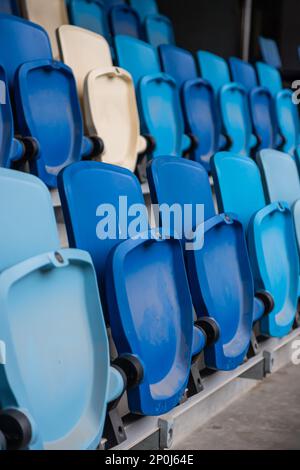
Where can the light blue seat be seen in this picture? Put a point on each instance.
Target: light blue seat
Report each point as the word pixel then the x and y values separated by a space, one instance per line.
pixel 233 103
pixel 269 77
pixel 159 30
pixel 145 7
pixel 125 21
pixel 142 281
pixel 219 272
pixel 89 15
pixel 261 103
pixel 271 239
pixel 269 51
pixel 48 110
pixel 45 293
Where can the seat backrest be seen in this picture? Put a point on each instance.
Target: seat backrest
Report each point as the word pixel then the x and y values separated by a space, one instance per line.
pixel 74 43
pixel 27 218
pixel 84 188
pixel 269 77
pixel 49 111
pixel 89 15
pixel 288 121
pixel 111 3
pixel 161 113
pixel 264 117
pixel 178 63
pixel 24 42
pixel 243 73
pixel 269 51
pixel 159 30
pixel 9 7
pixel 6 122
pixel 280 176
pixel 136 56
pixel 238 185
pixel 50 15
pixel 125 21
pixel 144 8
pixel 214 69
pixel 111 112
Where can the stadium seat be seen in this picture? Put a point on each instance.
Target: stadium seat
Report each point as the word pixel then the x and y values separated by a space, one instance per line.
pixel 219 273
pixel 49 15
pixel 288 121
pixel 45 293
pixel 201 117
pixel 111 3
pixel 9 7
pixel 74 43
pixel 159 30
pixel 269 77
pixel 49 113
pixel 111 112
pixel 270 233
pixel 138 57
pixel 90 15
pixel 233 103
pixel 125 21
pixel 145 7
pixel 148 317
pixel 262 107
pixel 269 51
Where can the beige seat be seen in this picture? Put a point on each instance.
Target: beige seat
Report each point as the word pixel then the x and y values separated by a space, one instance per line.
pixel 50 14
pixel 111 113
pixel 83 51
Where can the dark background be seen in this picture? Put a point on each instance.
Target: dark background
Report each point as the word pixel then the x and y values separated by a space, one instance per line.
pixel 215 25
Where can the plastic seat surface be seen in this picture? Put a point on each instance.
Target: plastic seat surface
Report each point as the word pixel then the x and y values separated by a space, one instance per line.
pixel 270 53
pixel 138 57
pixel 49 111
pixel 42 297
pixel 288 121
pixel 111 112
pixel 144 8
pixel 24 42
pixel 159 30
pixel 50 15
pixel 90 15
pixel 219 273
pixel 152 322
pixel 271 240
pixel 214 69
pixel 74 43
pixel 9 7
pixel 269 77
pixel 111 3
pixel 161 114
pixel 178 63
pixel 125 21
pixel 243 73
pixel 6 124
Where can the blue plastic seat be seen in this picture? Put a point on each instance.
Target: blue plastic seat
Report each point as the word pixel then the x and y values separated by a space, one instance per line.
pixel 49 111
pixel 9 7
pixel 261 104
pixel 269 77
pixel 159 30
pixel 112 3
pixel 45 293
pixel 233 103
pixel 142 280
pixel 219 273
pixel 125 21
pixel 89 15
pixel 178 63
pixel 271 240
pixel 144 7
pixel 137 57
pixel 269 51
pixel 162 116
pixel 24 42
pixel 288 121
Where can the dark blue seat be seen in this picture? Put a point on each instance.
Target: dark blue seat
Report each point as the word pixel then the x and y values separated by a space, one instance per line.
pixel 142 280
pixel 201 116
pixel 9 7
pixel 159 30
pixel 45 293
pixel 261 102
pixel 270 234
pixel 269 51
pixel 125 21
pixel 145 7
pixel 219 271
pixel 89 15
pixel 112 3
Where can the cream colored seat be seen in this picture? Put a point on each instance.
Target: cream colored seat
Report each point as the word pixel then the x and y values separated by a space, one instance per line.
pixel 50 14
pixel 83 51
pixel 111 113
